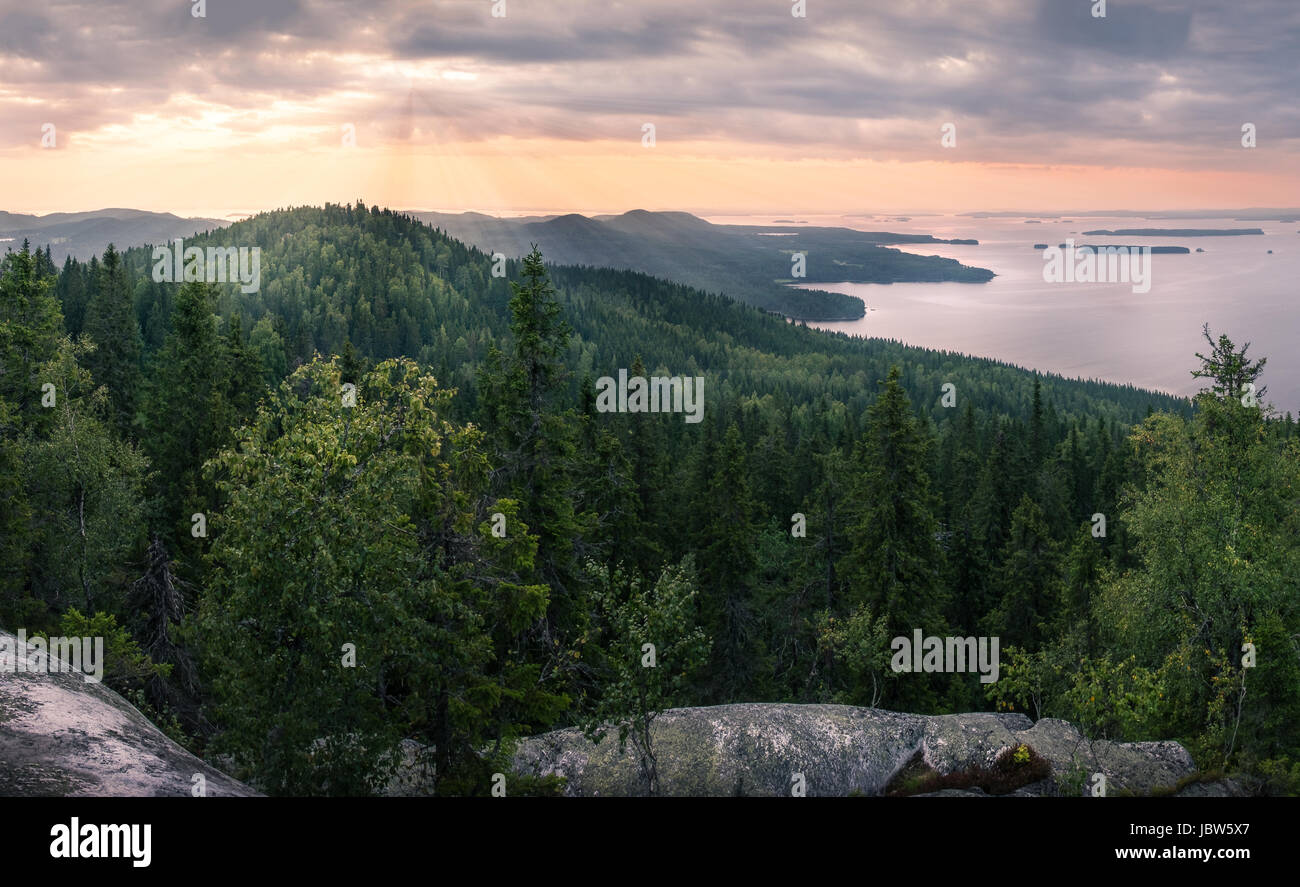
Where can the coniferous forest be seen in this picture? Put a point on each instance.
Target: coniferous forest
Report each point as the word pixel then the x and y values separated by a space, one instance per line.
pixel 375 502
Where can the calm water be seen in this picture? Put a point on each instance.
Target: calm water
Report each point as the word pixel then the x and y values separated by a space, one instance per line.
pixel 1096 330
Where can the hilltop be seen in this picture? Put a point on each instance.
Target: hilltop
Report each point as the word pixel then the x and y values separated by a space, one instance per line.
pixel 751 263
pixel 391 285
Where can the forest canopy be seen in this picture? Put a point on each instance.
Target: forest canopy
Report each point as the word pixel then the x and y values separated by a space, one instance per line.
pixel 375 501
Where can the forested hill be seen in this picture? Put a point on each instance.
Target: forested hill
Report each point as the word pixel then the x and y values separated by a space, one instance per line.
pixel 393 286
pixel 753 264
pixel 304 551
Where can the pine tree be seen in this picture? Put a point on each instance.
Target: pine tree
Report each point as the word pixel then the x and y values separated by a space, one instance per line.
pixel 29 341
pixel 645 444
pixel 828 515
pixel 609 490
pixel 1037 428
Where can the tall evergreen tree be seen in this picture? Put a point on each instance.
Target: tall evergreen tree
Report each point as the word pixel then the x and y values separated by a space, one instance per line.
pixel 202 387
pixel 29 341
pixel 30 325
pixel 1027 585
pixel 533 433
pixel 727 574
pixel 111 325
pixel 72 294
pixel 896 557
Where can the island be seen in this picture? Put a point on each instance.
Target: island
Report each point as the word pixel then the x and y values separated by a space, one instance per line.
pixel 1176 232
pixel 1105 246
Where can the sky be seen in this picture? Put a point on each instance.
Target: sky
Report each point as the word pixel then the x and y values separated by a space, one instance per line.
pixel 259 104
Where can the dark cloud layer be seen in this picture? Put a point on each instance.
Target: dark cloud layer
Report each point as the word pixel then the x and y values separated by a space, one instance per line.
pixel 1023 80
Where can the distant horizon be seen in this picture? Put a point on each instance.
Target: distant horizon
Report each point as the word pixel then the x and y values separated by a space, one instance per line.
pixel 236 215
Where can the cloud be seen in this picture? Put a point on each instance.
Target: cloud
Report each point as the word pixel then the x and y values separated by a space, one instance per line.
pixel 1141 33
pixel 1024 82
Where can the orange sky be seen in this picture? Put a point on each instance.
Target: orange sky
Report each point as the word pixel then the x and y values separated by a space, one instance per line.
pixel 599 177
pixel 542 109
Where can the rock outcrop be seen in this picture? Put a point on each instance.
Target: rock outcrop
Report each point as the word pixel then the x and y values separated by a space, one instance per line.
pixel 63 736
pixel 756 749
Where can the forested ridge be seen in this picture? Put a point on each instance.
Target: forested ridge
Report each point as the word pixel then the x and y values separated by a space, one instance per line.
pixel 375 501
pixel 745 262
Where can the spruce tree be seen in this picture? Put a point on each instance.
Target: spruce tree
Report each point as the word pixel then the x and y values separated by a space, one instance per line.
pixel 896 558
pixel 72 294
pixel 111 325
pixel 30 327
pixel 202 387
pixel 1027 585
pixel 534 436
pixel 728 562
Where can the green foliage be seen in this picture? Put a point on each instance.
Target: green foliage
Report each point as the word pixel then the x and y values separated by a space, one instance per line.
pixel 729 564
pixel 30 325
pixel 1115 700
pixel 1216 529
pixel 374 524
pixel 896 561
pixel 1028 680
pixel 1027 584
pixel 202 387
pixel 534 448
pixel 1070 784
pixel 127 668
pixel 858 647
pixel 651 647
pixel 352 525
pixel 86 487
pixel 111 324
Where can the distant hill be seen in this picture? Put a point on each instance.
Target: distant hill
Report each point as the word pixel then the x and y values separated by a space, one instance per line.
pixel 751 263
pixel 390 285
pixel 85 234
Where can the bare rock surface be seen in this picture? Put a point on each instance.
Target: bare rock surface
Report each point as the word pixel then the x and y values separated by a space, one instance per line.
pixel 757 748
pixel 61 735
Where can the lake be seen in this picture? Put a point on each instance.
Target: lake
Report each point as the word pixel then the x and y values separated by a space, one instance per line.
pixel 1093 330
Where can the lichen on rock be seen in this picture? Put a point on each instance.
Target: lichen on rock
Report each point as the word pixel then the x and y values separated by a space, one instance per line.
pixel 759 749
